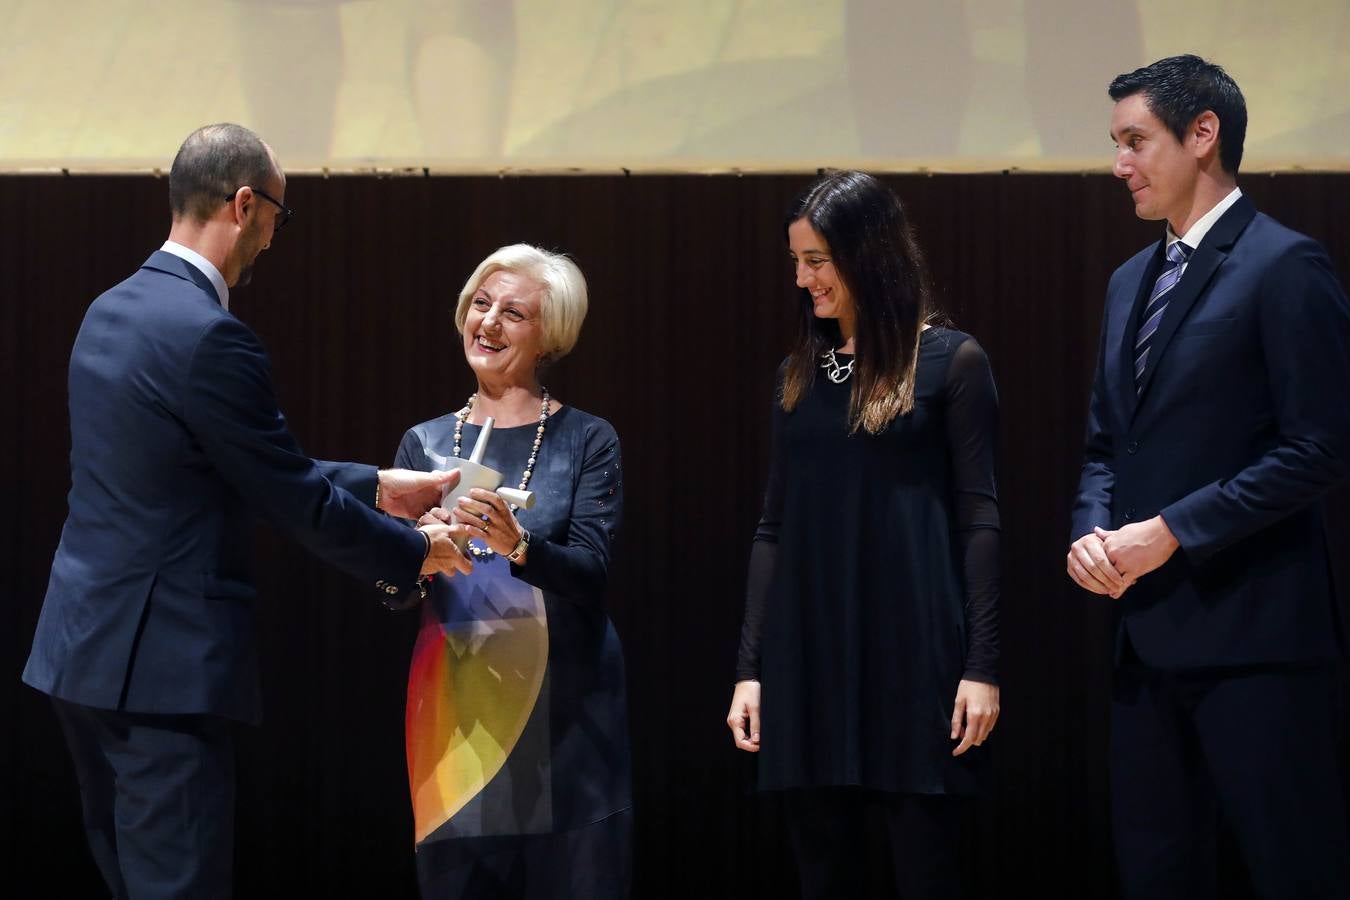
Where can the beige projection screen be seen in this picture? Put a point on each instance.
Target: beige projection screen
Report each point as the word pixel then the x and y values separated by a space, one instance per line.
pixel 648 85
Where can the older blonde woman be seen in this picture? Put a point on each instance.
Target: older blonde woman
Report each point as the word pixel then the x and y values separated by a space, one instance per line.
pixel 517 729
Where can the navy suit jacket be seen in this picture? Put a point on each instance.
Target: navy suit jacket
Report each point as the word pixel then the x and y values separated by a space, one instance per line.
pixel 1240 429
pixel 176 440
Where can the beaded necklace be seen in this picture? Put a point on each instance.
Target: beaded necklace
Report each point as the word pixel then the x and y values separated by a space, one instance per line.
pixel 463 415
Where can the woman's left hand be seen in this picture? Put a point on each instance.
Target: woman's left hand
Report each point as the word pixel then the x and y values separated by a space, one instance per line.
pixel 489 519
pixel 975 714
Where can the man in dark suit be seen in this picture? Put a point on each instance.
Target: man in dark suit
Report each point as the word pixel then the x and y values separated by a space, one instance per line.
pixel 1218 422
pixel 145 640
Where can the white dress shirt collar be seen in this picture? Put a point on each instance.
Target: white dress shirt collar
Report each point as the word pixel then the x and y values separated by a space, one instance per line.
pixel 204 266
pixel 1196 233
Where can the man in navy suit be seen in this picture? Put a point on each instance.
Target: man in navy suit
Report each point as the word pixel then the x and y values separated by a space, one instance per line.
pixel 1218 423
pixel 145 640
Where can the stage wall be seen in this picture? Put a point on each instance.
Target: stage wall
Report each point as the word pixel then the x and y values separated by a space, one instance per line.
pixel 691 298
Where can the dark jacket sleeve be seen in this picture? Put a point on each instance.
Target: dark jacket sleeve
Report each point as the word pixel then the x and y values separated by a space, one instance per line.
pixel 1305 337
pixel 357 479
pixel 232 411
pixel 1092 506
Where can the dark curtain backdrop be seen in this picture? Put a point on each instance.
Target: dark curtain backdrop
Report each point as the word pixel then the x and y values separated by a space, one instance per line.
pixel 691 300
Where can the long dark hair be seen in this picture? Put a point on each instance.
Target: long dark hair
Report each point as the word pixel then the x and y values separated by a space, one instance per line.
pixel 874 251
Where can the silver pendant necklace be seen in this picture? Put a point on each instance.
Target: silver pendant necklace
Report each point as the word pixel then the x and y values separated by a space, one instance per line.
pixel 833 371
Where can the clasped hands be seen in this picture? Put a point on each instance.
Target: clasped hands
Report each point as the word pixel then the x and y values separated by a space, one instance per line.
pixel 482 514
pixel 1110 562
pixel 409 494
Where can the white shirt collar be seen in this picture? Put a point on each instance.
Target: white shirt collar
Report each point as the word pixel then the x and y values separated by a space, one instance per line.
pixel 1196 233
pixel 204 266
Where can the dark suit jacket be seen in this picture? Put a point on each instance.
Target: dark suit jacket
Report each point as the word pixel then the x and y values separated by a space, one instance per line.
pixel 175 439
pixel 1242 426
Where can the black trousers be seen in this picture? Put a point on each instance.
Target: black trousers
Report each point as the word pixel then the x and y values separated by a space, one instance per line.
pixel 828 828
pixel 1256 746
pixel 158 798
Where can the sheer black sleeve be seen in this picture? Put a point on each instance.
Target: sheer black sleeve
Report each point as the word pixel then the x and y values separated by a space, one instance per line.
pixel 763 554
pixel 972 430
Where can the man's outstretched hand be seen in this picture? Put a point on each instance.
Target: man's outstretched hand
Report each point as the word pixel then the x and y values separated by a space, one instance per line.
pixel 407 494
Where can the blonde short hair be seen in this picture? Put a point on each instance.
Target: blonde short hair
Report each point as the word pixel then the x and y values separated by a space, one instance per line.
pixel 564 306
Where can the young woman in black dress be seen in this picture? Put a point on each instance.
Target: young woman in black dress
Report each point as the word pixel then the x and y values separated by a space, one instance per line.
pixel 866 671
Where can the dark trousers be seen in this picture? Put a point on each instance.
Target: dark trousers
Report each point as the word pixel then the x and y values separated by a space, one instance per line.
pixel 1256 746
pixel 828 828
pixel 158 798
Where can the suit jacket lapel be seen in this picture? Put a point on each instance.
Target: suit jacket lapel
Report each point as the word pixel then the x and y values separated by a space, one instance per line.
pixel 1206 259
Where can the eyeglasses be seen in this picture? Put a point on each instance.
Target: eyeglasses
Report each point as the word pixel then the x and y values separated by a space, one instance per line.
pixel 282 217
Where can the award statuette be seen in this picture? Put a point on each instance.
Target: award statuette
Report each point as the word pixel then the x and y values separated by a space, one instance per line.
pixel 473 474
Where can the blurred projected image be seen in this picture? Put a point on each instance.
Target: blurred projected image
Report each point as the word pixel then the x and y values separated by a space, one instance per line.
pixel 457 59
pixel 698 84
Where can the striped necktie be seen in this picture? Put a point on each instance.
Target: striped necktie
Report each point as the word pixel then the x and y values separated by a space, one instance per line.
pixel 1173 266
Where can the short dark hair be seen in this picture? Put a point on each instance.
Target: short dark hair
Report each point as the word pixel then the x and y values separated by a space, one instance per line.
pixel 1179 88
pixel 214 162
pixel 874 250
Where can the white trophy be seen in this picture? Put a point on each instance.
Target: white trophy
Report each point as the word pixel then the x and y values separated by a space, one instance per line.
pixel 473 474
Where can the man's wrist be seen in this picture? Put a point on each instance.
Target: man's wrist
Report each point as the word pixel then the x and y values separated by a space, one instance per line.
pixel 1165 533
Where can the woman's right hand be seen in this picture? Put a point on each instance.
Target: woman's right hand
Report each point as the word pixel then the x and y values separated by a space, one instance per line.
pixel 743 719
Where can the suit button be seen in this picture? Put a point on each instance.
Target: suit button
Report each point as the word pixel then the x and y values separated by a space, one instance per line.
pixel 1129 514
pixel 391 590
pixel 380 583
pixel 1133 448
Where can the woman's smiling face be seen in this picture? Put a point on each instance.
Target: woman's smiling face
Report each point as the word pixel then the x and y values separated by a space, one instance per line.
pixel 815 271
pixel 503 329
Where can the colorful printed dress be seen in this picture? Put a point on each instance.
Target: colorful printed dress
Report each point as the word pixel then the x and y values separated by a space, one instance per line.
pixel 517 728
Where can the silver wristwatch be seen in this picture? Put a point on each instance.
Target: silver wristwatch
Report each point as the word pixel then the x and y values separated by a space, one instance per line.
pixel 515 555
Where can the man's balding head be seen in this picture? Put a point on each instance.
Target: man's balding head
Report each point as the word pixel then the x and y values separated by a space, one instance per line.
pixel 214 162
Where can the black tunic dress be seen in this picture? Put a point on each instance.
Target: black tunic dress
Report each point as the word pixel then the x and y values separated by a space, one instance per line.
pixel 873 584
